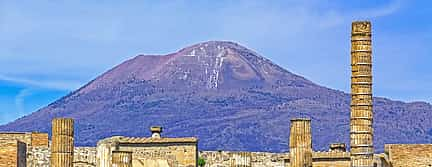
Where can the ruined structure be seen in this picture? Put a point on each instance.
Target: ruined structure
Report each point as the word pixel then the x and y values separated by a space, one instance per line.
pixel 62 147
pixel 241 159
pixel 31 139
pixel 253 159
pixel 155 151
pixel 121 159
pixel 408 155
pixel 300 143
pixel 12 153
pixel 18 147
pixel 361 132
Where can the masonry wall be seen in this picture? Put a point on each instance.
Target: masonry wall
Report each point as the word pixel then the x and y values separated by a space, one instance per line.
pixel 30 138
pixel 12 153
pixel 264 159
pixel 40 157
pixel 22 137
pixel 331 159
pixel 84 157
pixel 409 155
pixel 39 139
pixel 181 155
pixel 257 159
pixel 402 155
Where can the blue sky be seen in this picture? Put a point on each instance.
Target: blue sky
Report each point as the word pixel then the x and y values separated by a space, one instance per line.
pixel 50 48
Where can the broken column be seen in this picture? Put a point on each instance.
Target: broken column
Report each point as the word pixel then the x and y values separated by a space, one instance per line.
pixel 241 159
pixel 361 130
pixel 337 147
pixel 300 143
pixel 156 131
pixel 62 146
pixel 121 159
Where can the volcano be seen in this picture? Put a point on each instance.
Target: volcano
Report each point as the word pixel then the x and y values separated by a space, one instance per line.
pixel 225 94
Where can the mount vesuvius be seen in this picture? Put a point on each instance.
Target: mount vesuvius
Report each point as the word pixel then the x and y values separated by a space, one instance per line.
pixel 228 96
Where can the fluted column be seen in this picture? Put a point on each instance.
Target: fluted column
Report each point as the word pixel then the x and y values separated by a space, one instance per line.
pixel 62 146
pixel 361 130
pixel 300 143
pixel 241 159
pixel 121 159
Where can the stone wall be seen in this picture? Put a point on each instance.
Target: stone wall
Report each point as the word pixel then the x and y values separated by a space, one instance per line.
pixel 22 137
pixel 150 152
pixel 264 159
pixel 40 157
pixel 12 153
pixel 333 159
pixel 181 155
pixel 409 155
pixel 257 159
pixel 398 155
pixel 39 139
pixel 84 157
pixel 30 138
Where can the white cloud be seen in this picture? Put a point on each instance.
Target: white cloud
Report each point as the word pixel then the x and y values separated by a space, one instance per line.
pixel 50 84
pixel 389 9
pixel 20 100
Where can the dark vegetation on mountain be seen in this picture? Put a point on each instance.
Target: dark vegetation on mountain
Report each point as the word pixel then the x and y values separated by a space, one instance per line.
pixel 226 95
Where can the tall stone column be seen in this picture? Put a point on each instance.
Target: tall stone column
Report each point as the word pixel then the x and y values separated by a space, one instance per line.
pixel 121 159
pixel 62 146
pixel 300 143
pixel 361 130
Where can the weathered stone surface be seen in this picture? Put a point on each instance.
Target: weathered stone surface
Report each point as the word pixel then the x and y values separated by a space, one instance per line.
pixel 361 130
pixel 331 159
pixel 257 159
pixel 409 155
pixel 12 153
pixel 84 157
pixel 38 157
pixel 62 147
pixel 61 160
pixel 29 138
pixel 300 143
pixel 121 159
pixel 150 152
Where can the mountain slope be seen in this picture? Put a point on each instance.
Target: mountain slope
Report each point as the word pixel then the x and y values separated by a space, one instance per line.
pixel 225 94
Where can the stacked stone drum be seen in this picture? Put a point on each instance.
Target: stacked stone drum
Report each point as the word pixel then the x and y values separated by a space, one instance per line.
pixel 300 143
pixel 361 132
pixel 62 146
pixel 121 159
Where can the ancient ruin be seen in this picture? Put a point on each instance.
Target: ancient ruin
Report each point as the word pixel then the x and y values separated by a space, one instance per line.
pixel 152 151
pixel 121 159
pixel 361 131
pixel 300 143
pixel 33 149
pixel 62 147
